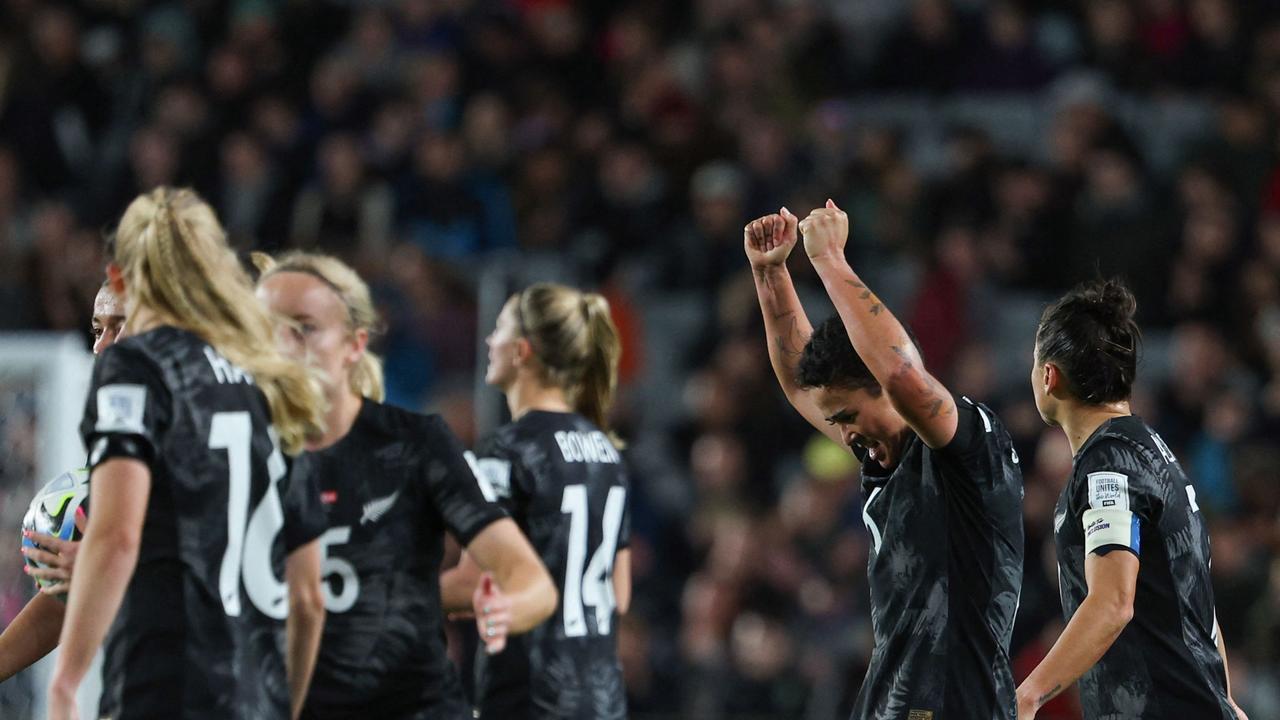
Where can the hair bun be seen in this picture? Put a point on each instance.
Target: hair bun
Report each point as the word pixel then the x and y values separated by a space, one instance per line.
pixel 1108 301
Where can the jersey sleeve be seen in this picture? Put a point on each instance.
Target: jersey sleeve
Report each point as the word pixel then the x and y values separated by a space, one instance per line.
pixel 1115 492
pixel 624 530
pixel 304 515
pixel 974 430
pixel 503 478
pixel 128 409
pixel 462 499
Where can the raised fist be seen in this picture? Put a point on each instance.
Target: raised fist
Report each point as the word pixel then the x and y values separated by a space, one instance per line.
pixel 768 240
pixel 825 232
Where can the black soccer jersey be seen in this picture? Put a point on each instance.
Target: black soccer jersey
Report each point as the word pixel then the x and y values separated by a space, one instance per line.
pixel 1127 492
pixel 566 485
pixel 392 486
pixel 945 571
pixel 199 633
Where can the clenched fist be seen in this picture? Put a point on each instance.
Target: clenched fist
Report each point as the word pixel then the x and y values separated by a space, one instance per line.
pixel 768 240
pixel 825 232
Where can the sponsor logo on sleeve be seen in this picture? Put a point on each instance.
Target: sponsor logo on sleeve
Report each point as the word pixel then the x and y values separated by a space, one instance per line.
pixel 1108 490
pixel 120 409
pixel 493 475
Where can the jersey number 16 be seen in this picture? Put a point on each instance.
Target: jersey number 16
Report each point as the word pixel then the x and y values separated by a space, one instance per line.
pixel 594 588
pixel 249 537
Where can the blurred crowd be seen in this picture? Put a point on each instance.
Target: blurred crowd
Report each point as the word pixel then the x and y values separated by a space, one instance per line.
pixel 990 154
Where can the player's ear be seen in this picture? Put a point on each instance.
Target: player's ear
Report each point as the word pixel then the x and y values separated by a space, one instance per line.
pixel 1051 377
pixel 115 279
pixel 524 351
pixel 359 343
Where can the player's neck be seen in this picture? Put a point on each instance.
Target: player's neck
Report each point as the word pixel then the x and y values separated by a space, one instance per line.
pixel 527 395
pixel 1080 422
pixel 343 410
pixel 141 320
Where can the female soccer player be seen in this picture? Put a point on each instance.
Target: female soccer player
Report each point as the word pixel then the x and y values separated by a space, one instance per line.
pixel 108 318
pixel 943 488
pixel 186 422
pixel 392 482
pixel 554 354
pixel 1133 552
pixel 34 632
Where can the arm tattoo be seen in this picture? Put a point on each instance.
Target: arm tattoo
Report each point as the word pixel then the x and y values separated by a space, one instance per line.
pixel 935 407
pixel 938 400
pixel 934 395
pixel 793 332
pixel 866 294
pixel 1049 695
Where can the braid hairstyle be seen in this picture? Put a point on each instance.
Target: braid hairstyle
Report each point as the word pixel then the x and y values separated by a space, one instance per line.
pixel 175 260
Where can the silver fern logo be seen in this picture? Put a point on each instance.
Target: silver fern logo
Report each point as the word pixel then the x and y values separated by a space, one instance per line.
pixel 375 509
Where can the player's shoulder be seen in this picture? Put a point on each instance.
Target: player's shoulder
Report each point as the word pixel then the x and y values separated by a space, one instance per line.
pixel 160 345
pixel 542 423
pixel 979 413
pixel 530 425
pixel 538 430
pixel 132 369
pixel 979 433
pixel 168 354
pixel 137 352
pixel 1123 443
pixel 1123 453
pixel 397 423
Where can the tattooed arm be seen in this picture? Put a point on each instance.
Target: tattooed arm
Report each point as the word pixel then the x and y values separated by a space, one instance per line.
pixel 768 241
pixel 878 337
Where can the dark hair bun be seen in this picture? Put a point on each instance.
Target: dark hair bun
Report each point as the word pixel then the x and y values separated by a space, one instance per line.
pixel 1090 333
pixel 1109 301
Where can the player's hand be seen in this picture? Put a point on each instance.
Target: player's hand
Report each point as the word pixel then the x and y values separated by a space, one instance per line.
pixel 62 700
pixel 1239 713
pixel 769 240
pixel 493 614
pixel 825 232
pixel 58 557
pixel 1027 706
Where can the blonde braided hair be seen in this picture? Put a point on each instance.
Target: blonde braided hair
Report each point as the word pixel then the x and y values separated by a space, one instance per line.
pixel 175 260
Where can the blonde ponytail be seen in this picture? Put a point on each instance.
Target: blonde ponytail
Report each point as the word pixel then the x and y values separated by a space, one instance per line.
pixel 176 263
pixel 593 395
pixel 577 345
pixel 365 378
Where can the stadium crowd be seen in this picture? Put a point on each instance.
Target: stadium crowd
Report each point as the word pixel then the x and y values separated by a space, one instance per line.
pixel 990 154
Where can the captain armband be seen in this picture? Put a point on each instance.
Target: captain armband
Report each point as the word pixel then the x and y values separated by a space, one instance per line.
pixel 1111 527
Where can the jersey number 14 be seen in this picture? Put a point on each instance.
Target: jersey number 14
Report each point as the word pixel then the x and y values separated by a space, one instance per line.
pixel 593 588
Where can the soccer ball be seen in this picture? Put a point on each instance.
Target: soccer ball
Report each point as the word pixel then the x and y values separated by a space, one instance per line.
pixel 53 511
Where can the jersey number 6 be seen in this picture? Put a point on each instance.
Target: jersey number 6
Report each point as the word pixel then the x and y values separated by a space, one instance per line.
pixel 595 587
pixel 233 432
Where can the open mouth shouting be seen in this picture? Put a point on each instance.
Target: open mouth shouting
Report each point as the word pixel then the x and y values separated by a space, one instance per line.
pixel 873 450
